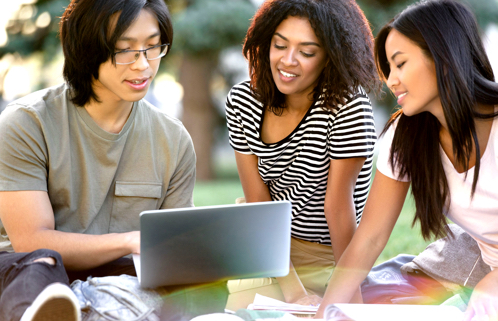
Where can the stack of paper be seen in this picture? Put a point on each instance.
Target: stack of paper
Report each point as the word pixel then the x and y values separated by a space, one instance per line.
pixel 363 312
pixel 262 302
pixel 391 312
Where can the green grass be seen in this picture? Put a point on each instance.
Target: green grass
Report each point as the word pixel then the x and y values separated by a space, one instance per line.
pixel 404 239
pixel 217 192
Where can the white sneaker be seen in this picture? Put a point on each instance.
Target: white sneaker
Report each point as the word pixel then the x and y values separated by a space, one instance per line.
pixel 56 302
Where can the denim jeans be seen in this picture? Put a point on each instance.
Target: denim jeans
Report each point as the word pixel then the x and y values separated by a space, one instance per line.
pixel 21 280
pixel 120 266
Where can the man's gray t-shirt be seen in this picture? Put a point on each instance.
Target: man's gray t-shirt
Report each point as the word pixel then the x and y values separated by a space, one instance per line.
pixel 97 182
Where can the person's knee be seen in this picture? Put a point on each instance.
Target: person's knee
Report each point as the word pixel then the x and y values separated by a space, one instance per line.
pixel 48 260
pixel 46 256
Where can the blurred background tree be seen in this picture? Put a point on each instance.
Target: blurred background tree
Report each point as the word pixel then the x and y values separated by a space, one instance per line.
pixel 202 30
pixel 28 33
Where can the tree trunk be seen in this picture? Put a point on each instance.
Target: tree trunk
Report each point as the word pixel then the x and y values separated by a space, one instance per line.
pixel 199 113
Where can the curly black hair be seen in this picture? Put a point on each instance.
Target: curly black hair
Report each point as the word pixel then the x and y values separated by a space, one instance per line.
pixel 342 30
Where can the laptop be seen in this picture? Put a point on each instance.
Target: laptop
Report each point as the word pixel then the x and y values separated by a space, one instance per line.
pixel 214 243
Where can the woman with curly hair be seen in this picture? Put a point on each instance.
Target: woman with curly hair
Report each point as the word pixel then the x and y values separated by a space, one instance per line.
pixel 443 143
pixel 302 129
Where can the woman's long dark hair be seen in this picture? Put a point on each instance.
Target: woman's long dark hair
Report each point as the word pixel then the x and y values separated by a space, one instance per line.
pixel 447 33
pixel 344 33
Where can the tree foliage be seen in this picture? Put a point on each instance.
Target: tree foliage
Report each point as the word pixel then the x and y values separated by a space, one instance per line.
pixel 379 12
pixel 42 39
pixel 208 26
pixel 201 25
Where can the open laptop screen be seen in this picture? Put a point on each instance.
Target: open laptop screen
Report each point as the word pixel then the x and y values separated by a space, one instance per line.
pixel 214 243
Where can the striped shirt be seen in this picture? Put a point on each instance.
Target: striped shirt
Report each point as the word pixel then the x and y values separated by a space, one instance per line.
pixel 296 168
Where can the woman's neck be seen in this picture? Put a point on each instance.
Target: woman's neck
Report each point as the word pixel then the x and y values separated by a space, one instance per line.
pixel 298 104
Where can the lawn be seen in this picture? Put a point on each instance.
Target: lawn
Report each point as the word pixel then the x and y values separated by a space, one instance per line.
pixel 404 238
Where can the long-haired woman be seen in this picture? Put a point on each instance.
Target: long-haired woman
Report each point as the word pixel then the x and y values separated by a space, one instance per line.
pixel 302 128
pixel 443 142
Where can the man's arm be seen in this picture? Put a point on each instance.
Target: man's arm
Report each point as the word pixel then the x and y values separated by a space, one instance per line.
pixel 25 208
pixel 28 219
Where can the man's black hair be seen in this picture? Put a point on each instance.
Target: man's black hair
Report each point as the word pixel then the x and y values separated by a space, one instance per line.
pixel 88 39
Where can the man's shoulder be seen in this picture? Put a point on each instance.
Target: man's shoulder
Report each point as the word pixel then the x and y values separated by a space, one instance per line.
pixel 164 131
pixel 159 123
pixel 42 98
pixel 158 115
pixel 39 106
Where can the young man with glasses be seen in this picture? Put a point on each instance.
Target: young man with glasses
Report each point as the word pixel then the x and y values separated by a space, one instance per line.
pixel 80 161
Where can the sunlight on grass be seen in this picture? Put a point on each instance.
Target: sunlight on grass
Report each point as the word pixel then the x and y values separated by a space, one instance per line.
pixel 404 239
pixel 217 192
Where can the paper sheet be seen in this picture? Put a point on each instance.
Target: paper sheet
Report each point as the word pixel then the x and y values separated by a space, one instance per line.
pixel 136 262
pixel 262 302
pixel 391 312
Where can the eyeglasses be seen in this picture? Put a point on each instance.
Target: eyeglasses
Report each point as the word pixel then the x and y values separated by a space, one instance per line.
pixel 127 57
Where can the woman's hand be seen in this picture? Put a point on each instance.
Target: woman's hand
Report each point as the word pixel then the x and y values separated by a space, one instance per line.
pixel 291 286
pixel 381 212
pixel 313 300
pixel 483 304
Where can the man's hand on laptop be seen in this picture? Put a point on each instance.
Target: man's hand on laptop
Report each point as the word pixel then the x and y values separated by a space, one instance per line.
pixel 313 300
pixel 133 240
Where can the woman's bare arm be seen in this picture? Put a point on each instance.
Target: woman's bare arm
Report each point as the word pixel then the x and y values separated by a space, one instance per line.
pixel 340 210
pixel 255 190
pixel 379 217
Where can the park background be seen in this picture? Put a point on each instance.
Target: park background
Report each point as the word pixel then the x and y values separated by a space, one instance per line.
pixel 205 61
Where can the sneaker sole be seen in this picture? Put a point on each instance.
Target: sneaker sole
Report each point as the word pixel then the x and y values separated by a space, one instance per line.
pixel 56 309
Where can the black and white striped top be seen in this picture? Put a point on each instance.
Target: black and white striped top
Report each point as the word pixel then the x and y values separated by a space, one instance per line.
pixel 296 168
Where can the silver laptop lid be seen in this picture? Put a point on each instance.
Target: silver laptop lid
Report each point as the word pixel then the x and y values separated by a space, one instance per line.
pixel 214 243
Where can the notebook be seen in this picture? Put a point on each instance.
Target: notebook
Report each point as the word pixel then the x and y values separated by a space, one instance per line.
pixel 214 243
